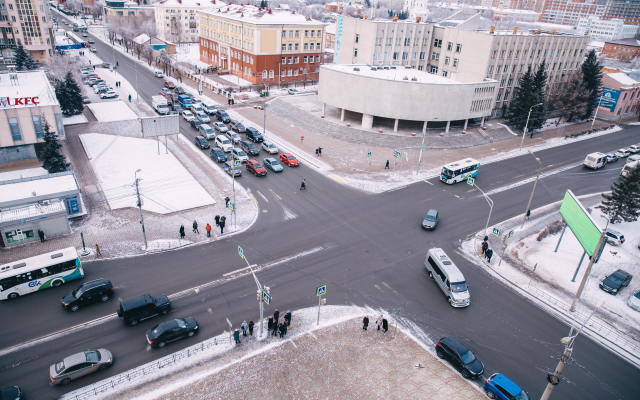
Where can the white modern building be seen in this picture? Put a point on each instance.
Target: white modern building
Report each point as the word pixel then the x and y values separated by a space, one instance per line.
pixel 487 9
pixel 177 20
pixel 28 23
pixel 403 93
pixel 605 29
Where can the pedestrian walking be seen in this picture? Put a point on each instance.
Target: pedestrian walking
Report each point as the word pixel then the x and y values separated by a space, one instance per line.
pixel 251 328
pixel 275 329
pixel 528 214
pixel 276 316
pixel 287 318
pixel 208 229
pixel 226 202
pixel 98 254
pixel 270 324
pixel 284 326
pixel 281 328
pixel 365 322
pixel 236 336
pixel 244 328
pixel 316 152
pixel 129 98
pixel 489 254
pixel 41 235
pixel 485 246
pixel 387 165
pixel 385 325
pixel 195 227
pixel 379 322
pixel 222 224
pixel 303 185
pixel 319 151
pixel 217 219
pixel 116 64
pixel 181 231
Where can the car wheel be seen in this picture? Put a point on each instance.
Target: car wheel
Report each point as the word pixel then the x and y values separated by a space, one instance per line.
pixel 490 394
pixel 65 381
pixel 75 308
pixel 191 333
pixel 440 354
pixel 133 322
pixel 13 296
pixel 56 283
pixel 164 312
pixel 104 366
pixel 161 344
pixel 430 274
pixel 450 300
pixel 104 297
pixel 466 374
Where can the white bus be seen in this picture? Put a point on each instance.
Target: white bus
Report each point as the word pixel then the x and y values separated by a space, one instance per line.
pixel 628 167
pixel 459 171
pixel 40 272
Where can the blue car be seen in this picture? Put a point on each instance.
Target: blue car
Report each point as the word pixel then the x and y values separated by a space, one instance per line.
pixel 218 155
pixel 502 388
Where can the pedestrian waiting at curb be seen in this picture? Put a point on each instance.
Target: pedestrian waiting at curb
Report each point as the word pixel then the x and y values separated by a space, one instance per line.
pixel 181 232
pixel 387 165
pixel 489 254
pixel 195 227
pixel 528 214
pixel 276 316
pixel 287 318
pixel 251 328
pixel 222 224
pixel 217 219
pixel 385 325
pixel 284 326
pixel 226 202
pixel 270 324
pixel 208 229
pixel 41 235
pixel 244 328
pixel 365 322
pixel 379 322
pixel 275 329
pixel 485 246
pixel 236 336
pixel 281 329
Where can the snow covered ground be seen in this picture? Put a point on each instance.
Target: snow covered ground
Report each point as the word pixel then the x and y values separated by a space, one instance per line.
pixel 165 185
pixel 22 173
pixel 114 110
pixel 74 120
pixel 190 53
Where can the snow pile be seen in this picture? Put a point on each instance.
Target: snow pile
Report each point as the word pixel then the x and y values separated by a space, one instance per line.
pixel 165 185
pixel 109 111
pixel 74 120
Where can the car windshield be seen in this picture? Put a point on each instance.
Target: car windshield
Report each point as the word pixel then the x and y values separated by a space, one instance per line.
pixel 257 165
pixel 208 130
pixel 430 218
pixel 291 158
pixel 201 140
pixel 181 323
pixel 522 396
pixel 270 146
pixel 224 141
pixel 59 366
pixel 224 114
pixel 78 292
pixel 241 153
pixel 468 357
pixel 447 172
pixel 459 287
pixel 92 355
pixel 239 126
pixel 615 279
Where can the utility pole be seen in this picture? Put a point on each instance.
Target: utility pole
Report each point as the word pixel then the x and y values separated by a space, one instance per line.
pixel 144 234
pixel 422 147
pixel 594 256
pixel 524 132
pixel 554 379
pixel 534 189
pixel 264 120
pixel 596 114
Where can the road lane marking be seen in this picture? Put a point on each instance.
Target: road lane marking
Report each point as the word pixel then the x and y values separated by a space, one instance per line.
pixel 429 183
pixel 339 179
pixel 235 275
pixel 275 195
pixel 398 188
pixel 265 199
pixel 529 180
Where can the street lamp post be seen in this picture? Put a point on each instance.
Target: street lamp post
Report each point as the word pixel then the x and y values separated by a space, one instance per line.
pixel 144 234
pixel 527 124
pixel 596 114
pixel 490 207
pixel 534 189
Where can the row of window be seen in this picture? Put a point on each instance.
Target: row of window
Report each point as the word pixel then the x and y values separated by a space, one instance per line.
pixel 296 46
pixel 296 60
pixel 16 133
pixel 399 41
pixel 296 33
pixel 414 56
pixel 227 26
pixel 516 53
pixel 505 69
pixel 288 72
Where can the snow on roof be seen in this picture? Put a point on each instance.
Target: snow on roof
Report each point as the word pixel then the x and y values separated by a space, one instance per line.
pixel 254 14
pixel 331 28
pixel 190 3
pixel 626 42
pixel 29 84
pixel 622 78
pixel 144 38
pixel 31 212
pixel 396 74
pixel 41 187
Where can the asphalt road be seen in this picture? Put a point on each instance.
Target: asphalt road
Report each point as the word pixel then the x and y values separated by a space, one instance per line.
pixel 369 250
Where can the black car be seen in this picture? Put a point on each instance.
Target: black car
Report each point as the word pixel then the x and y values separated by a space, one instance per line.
pixel 430 220
pixel 202 142
pixel 10 393
pixel 195 123
pixel 615 282
pixel 254 135
pixel 218 155
pixel 222 115
pixel 177 108
pixel 249 148
pixel 87 293
pixel 169 331
pixel 143 307
pixel 180 90
pixel 237 126
pixel 460 357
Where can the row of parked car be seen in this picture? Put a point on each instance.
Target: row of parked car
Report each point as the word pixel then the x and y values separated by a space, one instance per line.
pixel 100 87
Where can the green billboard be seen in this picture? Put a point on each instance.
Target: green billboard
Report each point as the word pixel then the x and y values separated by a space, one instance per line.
pixel 580 222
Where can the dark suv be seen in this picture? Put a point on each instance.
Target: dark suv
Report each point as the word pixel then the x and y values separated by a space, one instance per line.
pixel 460 357
pixel 222 115
pixel 143 307
pixel 249 148
pixel 87 293
pixel 616 281
pixel 253 135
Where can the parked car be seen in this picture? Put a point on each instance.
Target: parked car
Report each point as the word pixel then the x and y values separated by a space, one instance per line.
pixel 80 364
pixel 254 135
pixel 170 331
pixel 109 95
pixel 195 123
pixel 86 99
pixel 634 148
pixel 270 148
pixel 177 108
pixel 430 220
pixel 11 393
pixel 615 282
pixel 234 137
pixel 231 169
pixel 93 49
pixel 220 127
pixel 218 155
pixel 107 65
pixel 202 142
pixel 158 74
pixel 293 91
pixel 622 153
pixel 203 117
pixel 102 89
pixel 169 85
pixel 222 115
pixel 500 387
pixel 459 355
pixel 611 158
pixel 239 154
pixel 207 132
pixel 255 167
pixel 87 293
pixel 237 126
pixel 180 90
pixel 289 159
pixel 223 143
pixel 143 307
pixel 96 82
pixel 188 115
pixel 614 238
pixel 272 164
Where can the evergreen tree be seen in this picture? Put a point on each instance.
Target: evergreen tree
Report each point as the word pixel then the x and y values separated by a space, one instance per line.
pixel 593 80
pixel 570 98
pixel 72 95
pixel 623 204
pixel 29 62
pixel 20 57
pixel 539 113
pixel 53 159
pixel 523 100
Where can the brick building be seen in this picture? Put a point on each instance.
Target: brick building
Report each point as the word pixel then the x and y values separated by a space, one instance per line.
pixel 623 48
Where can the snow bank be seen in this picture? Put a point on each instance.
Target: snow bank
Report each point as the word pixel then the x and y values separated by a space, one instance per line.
pixel 110 111
pixel 74 120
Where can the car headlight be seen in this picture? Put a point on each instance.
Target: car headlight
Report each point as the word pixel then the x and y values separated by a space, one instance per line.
pixel 614 290
pixel 65 304
pixel 196 327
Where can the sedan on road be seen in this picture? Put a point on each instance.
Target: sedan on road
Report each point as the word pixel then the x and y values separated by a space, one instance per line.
pixel 611 158
pixel 634 148
pixel 90 41
pixel 237 126
pixel 202 142
pixel 270 148
pixel 188 116
pixel 223 143
pixel 93 50
pixel 169 85
pixel 293 91
pixel 272 164
pixel 158 74
pixel 207 132
pixel 255 167
pixel 109 95
pixel 450 349
pixel 195 124
pixel 430 220
pixel 616 281
pixel 222 115
pixel 80 364
pixel 239 154
pixel 289 159
pixel 249 148
pixel 622 153
pixel 203 117
pixel 86 99
pixel 234 137
pixel 500 387
pixel 180 90
pixel 220 127
pixel 218 155
pixel 170 331
pixel 11 393
pixel 178 108
pixel 231 169
pixel 165 92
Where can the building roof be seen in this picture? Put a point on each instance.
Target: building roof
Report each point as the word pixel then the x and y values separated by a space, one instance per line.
pixel 397 74
pixel 37 189
pixel 33 212
pixel 625 42
pixel 255 15
pixel 190 3
pixel 142 39
pixel 27 84
pixel 622 78
pixel 331 28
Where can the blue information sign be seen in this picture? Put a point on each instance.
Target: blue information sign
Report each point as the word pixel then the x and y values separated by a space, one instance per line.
pixel 609 99
pixel 496 231
pixel 265 297
pixel 320 290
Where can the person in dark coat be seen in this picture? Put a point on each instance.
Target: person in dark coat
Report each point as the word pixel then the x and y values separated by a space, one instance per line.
pixel 528 214
pixel 270 324
pixel 251 328
pixel 226 202
pixel 195 227
pixel 486 239
pixel 385 325
pixel 217 218
pixel 485 246
pixel 284 327
pixel 387 165
pixel 236 336
pixel 287 318
pixel 181 231
pixel 489 254
pixel 319 151
pixel 281 328
pixel 41 235
pixel 129 98
pixel 221 223
pixel 316 151
pixel 275 329
pixel 276 316
pixel 365 322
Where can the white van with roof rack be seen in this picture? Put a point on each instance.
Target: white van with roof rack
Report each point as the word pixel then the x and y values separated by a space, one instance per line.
pixel 448 277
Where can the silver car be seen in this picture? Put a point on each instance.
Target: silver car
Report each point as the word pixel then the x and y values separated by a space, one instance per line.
pixel 220 127
pixel 634 301
pixel 239 154
pixel 230 168
pixel 80 364
pixel 270 148
pixel 234 137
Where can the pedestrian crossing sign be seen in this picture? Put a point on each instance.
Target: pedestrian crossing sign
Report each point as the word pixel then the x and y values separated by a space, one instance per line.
pixel 266 297
pixel 496 231
pixel 470 181
pixel 232 206
pixel 238 163
pixel 398 154
pixel 321 290
pixel 368 154
pixel 240 252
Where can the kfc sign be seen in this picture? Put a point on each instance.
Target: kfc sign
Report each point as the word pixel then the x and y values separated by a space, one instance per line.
pixel 19 101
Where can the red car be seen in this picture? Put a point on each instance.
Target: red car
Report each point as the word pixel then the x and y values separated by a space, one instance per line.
pixel 255 167
pixel 169 84
pixel 289 159
pixel 169 97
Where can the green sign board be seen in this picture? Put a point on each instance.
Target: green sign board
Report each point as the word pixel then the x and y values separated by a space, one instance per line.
pixel 580 222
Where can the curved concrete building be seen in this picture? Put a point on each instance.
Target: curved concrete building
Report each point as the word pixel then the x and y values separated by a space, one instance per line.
pixel 401 93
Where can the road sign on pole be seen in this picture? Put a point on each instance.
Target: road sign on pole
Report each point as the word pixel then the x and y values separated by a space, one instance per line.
pixel 368 154
pixel 240 252
pixel 266 297
pixel 232 205
pixel 320 290
pixel 238 163
pixel 470 181
pixel 398 154
pixel 496 231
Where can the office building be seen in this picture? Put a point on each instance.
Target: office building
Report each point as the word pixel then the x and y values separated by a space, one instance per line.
pixel 597 28
pixel 27 22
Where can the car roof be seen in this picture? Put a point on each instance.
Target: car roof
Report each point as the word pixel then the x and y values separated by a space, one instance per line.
pixel 74 359
pixel 96 282
pixel 454 273
pixel 507 384
pixel 621 272
pixel 270 159
pixel 136 302
pixel 454 344
pixel 432 212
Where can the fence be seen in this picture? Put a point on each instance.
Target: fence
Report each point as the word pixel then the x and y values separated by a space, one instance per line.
pixel 147 369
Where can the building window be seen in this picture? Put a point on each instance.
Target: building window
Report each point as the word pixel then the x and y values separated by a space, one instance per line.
pixel 444 73
pixel 295 72
pixel 289 72
pixel 311 44
pixel 396 55
pixel 311 59
pixel 284 47
pixel 433 69
pixel 297 34
pixel 386 56
pixel 355 52
pixel 306 33
pixel 271 74
pixel 376 57
pixel 502 83
pixel 506 68
pixel 437 42
pixel 446 60
pixel 290 47
pixel 422 55
pixel 284 34
pixel 14 127
pixel 455 62
pixel 388 42
pixel 305 59
pixel 490 70
pixel 509 82
pixel 313 33
pixel 290 60
pixel 357 38
pixel 414 56
pixel 499 97
pixel 435 56
pixel 405 55
pixel 398 41
pixel 420 67
pixel 506 95
pixel 378 41
pixel 407 41
pixel 494 54
pixel 264 74
pixel 291 34
pixel 283 60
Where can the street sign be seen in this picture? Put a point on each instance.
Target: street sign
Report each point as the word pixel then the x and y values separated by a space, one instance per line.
pixel 238 163
pixel 496 231
pixel 510 234
pixel 240 252
pixel 232 205
pixel 470 181
pixel 265 297
pixel 398 154
pixel 368 154
pixel 320 290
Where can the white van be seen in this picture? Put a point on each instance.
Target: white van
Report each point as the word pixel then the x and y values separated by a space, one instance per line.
pixel 595 160
pixel 633 158
pixel 448 277
pixel 210 108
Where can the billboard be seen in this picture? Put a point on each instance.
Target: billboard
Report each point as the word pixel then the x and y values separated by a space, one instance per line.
pixel 609 99
pixel 580 222
pixel 160 126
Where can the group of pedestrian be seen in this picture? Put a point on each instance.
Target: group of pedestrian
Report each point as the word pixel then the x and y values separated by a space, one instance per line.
pixel 381 322
pixel 488 253
pixel 231 102
pixel 118 83
pixel 319 151
pixel 220 222
pixel 244 327
pixel 276 327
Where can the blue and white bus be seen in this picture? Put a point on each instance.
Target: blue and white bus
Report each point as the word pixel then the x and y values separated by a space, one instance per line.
pixel 459 171
pixel 40 272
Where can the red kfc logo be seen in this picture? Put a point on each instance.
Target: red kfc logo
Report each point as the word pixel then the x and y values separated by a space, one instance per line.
pixel 20 101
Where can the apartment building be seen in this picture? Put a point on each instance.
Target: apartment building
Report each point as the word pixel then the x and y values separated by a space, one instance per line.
pixel 330 37
pixel 606 30
pixel 568 12
pixel 624 49
pixel 261 46
pixel 177 20
pixel 626 10
pixel 458 50
pixel 27 22
pixel 125 12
